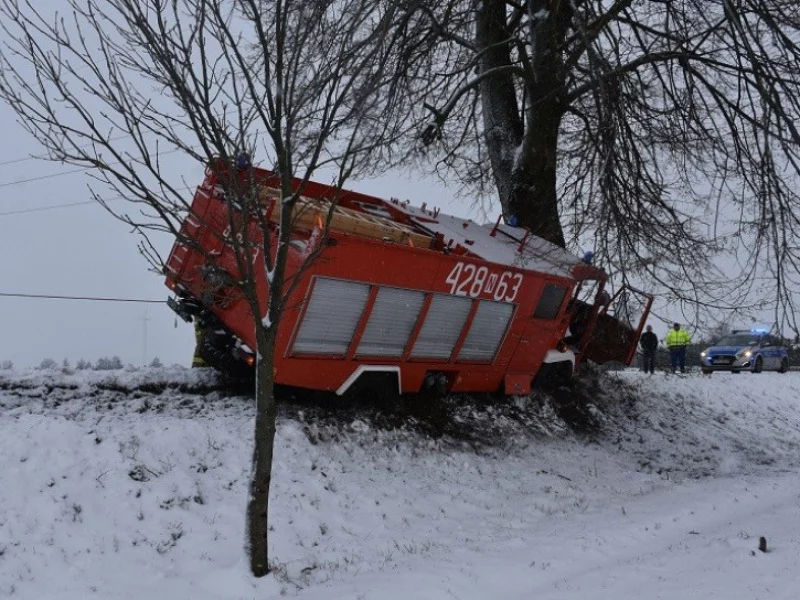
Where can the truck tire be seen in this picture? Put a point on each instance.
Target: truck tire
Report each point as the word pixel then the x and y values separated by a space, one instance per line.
pixel 553 375
pixel 784 365
pixel 216 350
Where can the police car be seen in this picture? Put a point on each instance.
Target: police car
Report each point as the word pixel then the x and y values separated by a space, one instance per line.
pixel 754 350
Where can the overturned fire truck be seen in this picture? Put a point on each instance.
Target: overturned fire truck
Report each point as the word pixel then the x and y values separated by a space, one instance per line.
pixel 423 299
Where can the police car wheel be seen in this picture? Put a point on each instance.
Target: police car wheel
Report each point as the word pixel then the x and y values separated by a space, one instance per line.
pixel 784 365
pixel 759 366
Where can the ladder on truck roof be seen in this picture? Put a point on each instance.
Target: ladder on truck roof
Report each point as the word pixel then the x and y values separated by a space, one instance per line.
pixel 310 213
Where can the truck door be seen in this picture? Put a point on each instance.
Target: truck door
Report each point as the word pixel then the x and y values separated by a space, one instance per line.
pixel 615 332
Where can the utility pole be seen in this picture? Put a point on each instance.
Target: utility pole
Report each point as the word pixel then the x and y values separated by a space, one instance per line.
pixel 144 320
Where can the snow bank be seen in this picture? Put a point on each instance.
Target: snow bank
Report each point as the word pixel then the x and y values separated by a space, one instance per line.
pixel 133 485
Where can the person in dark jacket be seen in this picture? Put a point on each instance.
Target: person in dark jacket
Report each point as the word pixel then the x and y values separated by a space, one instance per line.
pixel 649 344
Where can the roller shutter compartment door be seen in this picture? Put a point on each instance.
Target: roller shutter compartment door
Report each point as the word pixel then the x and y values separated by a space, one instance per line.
pixel 331 318
pixel 487 331
pixel 391 322
pixel 442 328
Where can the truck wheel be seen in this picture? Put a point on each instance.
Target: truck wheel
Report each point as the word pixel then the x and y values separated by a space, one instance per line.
pixel 216 351
pixel 553 375
pixel 759 366
pixel 784 365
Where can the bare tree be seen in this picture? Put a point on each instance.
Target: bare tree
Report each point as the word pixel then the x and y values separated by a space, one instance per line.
pixel 117 85
pixel 660 133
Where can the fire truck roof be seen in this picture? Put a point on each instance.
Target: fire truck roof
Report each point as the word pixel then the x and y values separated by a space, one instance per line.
pixel 501 244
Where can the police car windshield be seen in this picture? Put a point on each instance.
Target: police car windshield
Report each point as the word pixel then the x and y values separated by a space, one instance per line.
pixel 742 339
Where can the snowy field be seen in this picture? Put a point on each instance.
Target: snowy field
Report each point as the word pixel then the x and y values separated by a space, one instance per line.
pixel 132 485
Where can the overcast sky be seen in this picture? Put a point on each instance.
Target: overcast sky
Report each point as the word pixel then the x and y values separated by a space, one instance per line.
pixel 73 251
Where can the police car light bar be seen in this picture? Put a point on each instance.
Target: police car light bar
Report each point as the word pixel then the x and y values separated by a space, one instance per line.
pixel 758 329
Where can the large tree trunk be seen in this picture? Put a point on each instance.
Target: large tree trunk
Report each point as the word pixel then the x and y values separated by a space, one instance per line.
pixel 533 189
pixel 523 153
pixel 502 123
pixel 261 473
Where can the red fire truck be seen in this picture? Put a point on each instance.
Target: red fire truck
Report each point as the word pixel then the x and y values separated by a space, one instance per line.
pixel 425 299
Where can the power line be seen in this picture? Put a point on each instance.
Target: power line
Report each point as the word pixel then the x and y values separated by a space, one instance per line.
pixel 92 298
pixel 19 160
pixel 42 177
pixel 72 171
pixel 23 211
pixel 51 207
pixel 14 161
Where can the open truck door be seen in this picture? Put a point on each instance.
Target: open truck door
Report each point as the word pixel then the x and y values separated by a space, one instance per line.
pixel 613 333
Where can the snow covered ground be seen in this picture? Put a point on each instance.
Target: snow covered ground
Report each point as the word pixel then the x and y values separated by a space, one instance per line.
pixel 128 485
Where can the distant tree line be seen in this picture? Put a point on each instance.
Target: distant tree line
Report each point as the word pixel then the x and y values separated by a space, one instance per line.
pixel 104 363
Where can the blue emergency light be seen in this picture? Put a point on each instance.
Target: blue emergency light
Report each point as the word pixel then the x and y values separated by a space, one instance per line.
pixel 755 330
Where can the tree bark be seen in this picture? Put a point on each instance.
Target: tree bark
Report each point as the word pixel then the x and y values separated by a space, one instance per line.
pixel 502 124
pixel 524 153
pixel 261 474
pixel 533 182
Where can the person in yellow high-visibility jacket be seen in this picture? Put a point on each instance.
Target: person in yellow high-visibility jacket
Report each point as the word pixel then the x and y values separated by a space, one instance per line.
pixel 677 340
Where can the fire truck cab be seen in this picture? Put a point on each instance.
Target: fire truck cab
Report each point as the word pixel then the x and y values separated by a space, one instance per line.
pixel 429 299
